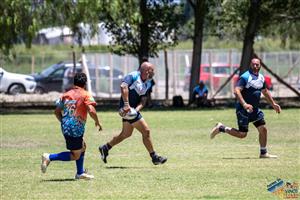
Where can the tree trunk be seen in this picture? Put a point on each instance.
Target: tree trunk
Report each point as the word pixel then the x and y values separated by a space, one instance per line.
pixel 251 30
pixel 144 31
pixel 199 12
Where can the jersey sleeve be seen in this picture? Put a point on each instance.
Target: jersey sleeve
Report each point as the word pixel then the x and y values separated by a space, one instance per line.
pixel 128 79
pixel 59 103
pixel 241 82
pixel 150 84
pixel 89 100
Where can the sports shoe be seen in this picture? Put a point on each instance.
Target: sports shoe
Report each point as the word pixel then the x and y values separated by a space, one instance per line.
pixel 84 176
pixel 267 155
pixel 215 131
pixel 45 162
pixel 156 160
pixel 104 152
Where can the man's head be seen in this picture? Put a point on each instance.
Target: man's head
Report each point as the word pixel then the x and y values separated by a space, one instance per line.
pixel 80 79
pixel 201 84
pixel 147 71
pixel 255 65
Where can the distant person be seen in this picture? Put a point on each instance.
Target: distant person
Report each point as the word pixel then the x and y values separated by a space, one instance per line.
pixel 248 91
pixel 134 88
pixel 199 95
pixel 71 111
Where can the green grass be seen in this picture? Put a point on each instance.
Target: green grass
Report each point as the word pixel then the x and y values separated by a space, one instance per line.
pixel 197 167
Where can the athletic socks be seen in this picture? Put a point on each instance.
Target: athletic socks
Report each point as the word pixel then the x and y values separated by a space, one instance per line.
pixel 79 164
pixel 263 150
pixel 63 156
pixel 66 156
pixel 153 154
pixel 108 146
pixel 222 128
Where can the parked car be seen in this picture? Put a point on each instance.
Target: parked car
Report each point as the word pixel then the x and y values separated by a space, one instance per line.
pixel 12 83
pixel 58 77
pixel 52 78
pixel 104 79
pixel 220 71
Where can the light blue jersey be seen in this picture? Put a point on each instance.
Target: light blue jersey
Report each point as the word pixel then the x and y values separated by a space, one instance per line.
pixel 137 88
pixel 252 86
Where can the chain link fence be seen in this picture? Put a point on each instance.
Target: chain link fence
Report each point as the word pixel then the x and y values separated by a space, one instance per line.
pixel 107 70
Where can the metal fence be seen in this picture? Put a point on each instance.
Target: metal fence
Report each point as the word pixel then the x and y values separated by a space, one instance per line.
pixel 217 65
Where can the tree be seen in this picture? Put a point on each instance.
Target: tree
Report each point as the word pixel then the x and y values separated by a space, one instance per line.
pixel 142 28
pixel 199 13
pixel 251 31
pixel 19 21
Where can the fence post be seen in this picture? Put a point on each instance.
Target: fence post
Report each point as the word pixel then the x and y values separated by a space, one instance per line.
pixel 32 64
pixel 97 82
pixel 174 77
pixel 211 72
pixel 231 71
pixel 110 75
pixel 167 74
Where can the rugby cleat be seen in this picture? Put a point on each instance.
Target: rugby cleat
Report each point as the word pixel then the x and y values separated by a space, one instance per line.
pixel 104 153
pixel 84 176
pixel 267 155
pixel 216 130
pixel 156 160
pixel 45 162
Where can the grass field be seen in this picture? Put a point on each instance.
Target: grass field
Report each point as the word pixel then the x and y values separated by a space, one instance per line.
pixel 197 167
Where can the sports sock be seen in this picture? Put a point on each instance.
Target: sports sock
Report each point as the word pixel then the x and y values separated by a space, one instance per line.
pixel 79 164
pixel 153 154
pixel 63 156
pixel 222 128
pixel 108 146
pixel 263 150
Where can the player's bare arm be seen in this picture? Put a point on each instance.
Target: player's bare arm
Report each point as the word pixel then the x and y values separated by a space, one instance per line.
pixel 242 101
pixel 142 104
pixel 58 114
pixel 271 101
pixel 124 93
pixel 92 112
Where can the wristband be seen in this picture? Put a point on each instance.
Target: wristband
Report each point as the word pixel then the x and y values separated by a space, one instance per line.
pixel 126 103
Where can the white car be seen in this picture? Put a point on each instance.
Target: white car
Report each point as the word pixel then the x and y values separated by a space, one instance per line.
pixel 12 83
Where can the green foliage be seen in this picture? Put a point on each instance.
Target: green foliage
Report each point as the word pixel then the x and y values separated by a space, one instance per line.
pixel 156 25
pixel 19 21
pixel 278 18
pixel 197 167
pixel 22 19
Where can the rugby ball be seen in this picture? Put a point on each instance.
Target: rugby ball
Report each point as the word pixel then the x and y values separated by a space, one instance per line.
pixel 131 114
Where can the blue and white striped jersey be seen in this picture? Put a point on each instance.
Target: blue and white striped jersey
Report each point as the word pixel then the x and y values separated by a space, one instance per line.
pixel 252 86
pixel 137 88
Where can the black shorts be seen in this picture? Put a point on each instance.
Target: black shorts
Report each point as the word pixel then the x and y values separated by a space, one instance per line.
pixel 131 121
pixel 73 143
pixel 243 119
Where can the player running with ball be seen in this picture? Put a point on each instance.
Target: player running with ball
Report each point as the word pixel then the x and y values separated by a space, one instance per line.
pixel 248 91
pixel 134 88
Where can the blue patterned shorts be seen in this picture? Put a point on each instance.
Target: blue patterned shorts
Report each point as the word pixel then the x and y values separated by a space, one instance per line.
pixel 70 126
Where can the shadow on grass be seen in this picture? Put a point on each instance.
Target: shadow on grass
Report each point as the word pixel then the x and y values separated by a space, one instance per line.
pixel 59 180
pixel 211 197
pixel 239 158
pixel 123 167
